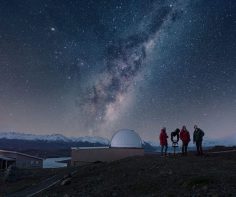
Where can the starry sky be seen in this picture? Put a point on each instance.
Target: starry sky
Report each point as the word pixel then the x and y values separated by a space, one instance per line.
pixel 88 67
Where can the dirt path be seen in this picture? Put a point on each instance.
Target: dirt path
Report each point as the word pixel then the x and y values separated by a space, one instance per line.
pixel 43 185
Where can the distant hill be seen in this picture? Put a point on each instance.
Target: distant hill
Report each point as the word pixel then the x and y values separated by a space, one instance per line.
pixel 43 148
pixel 52 137
pixel 54 145
pixel 57 145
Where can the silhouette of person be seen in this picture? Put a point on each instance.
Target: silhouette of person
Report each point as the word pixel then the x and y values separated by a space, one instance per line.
pixel 197 138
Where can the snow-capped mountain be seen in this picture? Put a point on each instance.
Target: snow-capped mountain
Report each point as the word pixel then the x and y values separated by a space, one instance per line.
pixel 52 137
pixel 90 139
pixel 57 145
pixel 95 139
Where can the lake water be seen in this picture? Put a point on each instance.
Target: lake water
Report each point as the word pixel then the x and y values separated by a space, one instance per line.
pixel 55 162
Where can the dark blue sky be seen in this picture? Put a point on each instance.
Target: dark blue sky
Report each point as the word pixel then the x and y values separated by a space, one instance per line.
pixel 93 67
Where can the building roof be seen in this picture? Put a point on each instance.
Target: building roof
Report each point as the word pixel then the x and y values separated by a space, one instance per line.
pixel 94 147
pixel 22 154
pixel 126 138
pixel 6 158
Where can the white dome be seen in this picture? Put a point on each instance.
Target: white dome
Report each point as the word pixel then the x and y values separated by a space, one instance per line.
pixel 126 138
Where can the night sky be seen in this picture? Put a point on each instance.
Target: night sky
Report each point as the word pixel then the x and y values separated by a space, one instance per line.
pixel 89 67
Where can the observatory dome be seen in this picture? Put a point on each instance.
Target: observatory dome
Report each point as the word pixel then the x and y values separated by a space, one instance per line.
pixel 126 138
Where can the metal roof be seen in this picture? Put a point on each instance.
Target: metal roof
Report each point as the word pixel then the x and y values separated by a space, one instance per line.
pixel 22 154
pixel 98 147
pixel 6 158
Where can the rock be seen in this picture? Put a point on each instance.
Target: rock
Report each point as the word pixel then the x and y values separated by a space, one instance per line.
pixel 67 176
pixel 99 179
pixel 194 187
pixel 114 194
pixel 125 175
pixel 67 181
pixel 205 188
pixel 170 172
pixel 166 172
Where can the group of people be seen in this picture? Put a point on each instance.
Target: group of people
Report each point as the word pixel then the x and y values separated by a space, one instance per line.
pixel 184 136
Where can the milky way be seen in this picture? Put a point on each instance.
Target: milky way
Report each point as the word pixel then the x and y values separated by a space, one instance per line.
pixel 124 61
pixel 93 67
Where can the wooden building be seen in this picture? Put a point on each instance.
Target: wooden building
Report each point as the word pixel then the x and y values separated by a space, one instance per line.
pixel 5 162
pixel 20 160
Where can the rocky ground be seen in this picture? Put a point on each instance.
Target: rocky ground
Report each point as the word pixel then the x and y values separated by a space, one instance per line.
pixel 152 175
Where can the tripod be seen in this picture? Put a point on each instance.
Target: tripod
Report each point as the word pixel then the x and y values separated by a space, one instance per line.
pixel 174 145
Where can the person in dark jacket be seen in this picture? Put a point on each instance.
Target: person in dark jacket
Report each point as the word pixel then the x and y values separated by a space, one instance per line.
pixel 163 141
pixel 197 138
pixel 185 137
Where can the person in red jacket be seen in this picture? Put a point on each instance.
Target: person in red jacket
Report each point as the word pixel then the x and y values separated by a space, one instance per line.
pixel 163 140
pixel 185 137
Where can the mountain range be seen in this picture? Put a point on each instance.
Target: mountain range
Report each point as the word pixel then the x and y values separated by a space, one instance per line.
pixel 52 137
pixel 56 145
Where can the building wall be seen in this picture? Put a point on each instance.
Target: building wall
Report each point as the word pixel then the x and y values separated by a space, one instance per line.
pixel 24 161
pixel 5 163
pixel 28 162
pixel 86 156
